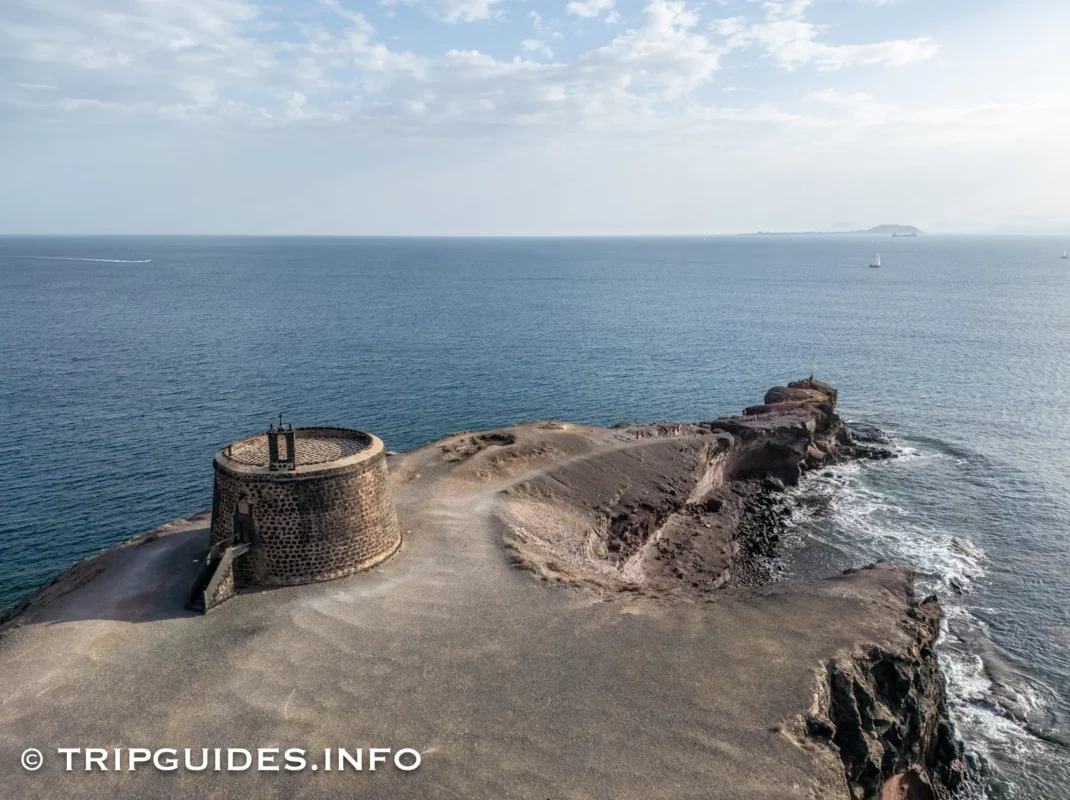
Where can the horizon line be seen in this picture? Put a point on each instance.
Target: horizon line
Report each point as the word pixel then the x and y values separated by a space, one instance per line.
pixel 4 235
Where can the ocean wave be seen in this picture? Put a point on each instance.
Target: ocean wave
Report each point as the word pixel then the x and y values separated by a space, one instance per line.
pixel 104 260
pixel 990 732
pixel 866 523
pixel 844 509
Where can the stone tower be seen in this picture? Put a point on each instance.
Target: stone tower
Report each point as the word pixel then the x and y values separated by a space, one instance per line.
pixel 296 505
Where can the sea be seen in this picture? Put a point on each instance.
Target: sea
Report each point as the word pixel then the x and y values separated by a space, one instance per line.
pixel 126 362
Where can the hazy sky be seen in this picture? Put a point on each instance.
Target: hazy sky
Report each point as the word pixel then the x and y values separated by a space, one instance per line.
pixel 531 116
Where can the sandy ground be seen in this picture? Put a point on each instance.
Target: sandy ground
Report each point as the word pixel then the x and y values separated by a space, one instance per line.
pixel 509 686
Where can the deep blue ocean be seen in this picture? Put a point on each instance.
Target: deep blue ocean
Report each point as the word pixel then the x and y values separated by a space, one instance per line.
pixel 126 362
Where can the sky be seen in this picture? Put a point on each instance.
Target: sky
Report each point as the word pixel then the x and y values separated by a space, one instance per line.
pixel 532 117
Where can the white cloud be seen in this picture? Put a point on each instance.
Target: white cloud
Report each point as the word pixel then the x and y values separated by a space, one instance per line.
pixel 226 60
pixel 837 98
pixel 80 103
pixel 634 121
pixel 454 10
pixel 181 59
pixel 201 90
pixel 537 46
pixel 664 54
pixel 589 8
pixel 786 36
pixel 480 65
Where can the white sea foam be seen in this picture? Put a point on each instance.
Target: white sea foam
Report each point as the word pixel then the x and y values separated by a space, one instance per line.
pixel 104 260
pixel 871 525
pixel 977 718
pixel 842 508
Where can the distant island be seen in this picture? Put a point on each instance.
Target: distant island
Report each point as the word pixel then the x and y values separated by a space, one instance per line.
pixel 880 230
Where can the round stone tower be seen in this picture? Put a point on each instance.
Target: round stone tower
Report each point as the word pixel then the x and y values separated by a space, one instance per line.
pixel 299 505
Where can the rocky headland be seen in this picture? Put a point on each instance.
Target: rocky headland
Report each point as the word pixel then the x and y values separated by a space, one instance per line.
pixel 678 508
pixel 575 612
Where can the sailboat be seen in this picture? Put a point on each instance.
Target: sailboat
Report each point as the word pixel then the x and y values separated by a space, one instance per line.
pixel 1066 253
pixel 876 263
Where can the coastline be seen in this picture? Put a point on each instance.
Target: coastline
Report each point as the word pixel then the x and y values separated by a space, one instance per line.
pixel 469 494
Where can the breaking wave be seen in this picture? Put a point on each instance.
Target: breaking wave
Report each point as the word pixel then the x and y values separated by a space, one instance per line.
pixel 855 515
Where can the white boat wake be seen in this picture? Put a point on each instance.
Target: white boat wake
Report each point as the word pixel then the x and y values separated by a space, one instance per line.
pixel 105 260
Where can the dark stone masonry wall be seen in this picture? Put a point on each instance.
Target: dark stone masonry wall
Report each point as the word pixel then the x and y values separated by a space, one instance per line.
pixel 312 526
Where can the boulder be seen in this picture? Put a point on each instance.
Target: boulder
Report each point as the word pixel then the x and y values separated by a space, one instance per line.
pixel 785 406
pixel 781 394
pixel 815 385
